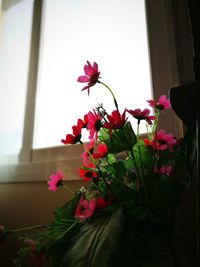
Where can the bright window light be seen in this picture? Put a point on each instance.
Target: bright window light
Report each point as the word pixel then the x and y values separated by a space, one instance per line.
pixel 15 33
pixel 109 32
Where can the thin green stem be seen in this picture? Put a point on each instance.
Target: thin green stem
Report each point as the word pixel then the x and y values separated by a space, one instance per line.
pixel 68 189
pixel 27 228
pixel 137 170
pixel 139 149
pixel 114 98
pixel 138 129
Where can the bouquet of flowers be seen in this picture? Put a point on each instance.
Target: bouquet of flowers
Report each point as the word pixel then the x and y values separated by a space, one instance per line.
pixel 134 186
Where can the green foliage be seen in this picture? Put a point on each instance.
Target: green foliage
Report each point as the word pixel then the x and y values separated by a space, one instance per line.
pixel 120 140
pixel 97 244
pixel 126 211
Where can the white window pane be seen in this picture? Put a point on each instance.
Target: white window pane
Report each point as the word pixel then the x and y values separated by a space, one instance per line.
pixel 15 33
pixel 110 32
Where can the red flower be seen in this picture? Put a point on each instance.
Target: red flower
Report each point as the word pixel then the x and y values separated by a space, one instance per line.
pixel 163 103
pixel 85 208
pixel 91 76
pixel 85 121
pixel 167 170
pixel 102 151
pixel 76 136
pixel 116 120
pixel 94 124
pixel 142 115
pixel 87 175
pixel 161 141
pixel 102 203
pixel 55 181
pixel 36 256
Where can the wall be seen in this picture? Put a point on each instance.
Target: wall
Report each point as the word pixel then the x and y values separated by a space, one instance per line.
pixel 26 204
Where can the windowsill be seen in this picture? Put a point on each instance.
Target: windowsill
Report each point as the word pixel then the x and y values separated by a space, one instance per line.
pixel 44 162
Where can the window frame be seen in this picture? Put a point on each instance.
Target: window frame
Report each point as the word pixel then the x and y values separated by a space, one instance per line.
pixel 38 164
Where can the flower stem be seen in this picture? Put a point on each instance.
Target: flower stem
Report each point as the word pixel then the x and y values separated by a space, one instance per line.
pixel 68 189
pixel 137 170
pixel 115 101
pixel 27 228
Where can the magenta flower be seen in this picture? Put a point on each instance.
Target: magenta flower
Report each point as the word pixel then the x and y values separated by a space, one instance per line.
pixel 163 103
pixel 94 124
pixel 36 257
pixel 167 170
pixel 76 136
pixel 31 244
pixel 115 120
pixel 161 141
pixel 142 115
pixel 91 76
pixel 85 208
pixel 102 151
pixel 55 181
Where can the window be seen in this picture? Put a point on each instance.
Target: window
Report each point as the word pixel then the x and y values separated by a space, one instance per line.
pixel 55 73
pixel 15 36
pixel 112 33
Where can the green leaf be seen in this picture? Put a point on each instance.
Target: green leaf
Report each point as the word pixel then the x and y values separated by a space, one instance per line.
pixel 97 243
pixel 120 139
pixel 163 199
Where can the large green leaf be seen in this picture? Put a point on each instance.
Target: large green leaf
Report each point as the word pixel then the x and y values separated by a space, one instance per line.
pixel 97 244
pixel 120 139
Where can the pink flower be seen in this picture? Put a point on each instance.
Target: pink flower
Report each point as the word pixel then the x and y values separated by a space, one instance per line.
pixel 142 115
pixel 163 103
pixel 85 208
pixel 31 244
pixel 115 120
pixel 94 124
pixel 36 256
pixel 91 76
pixel 76 136
pixel 167 170
pixel 161 141
pixel 89 148
pixel 55 181
pixel 88 174
pixel 102 151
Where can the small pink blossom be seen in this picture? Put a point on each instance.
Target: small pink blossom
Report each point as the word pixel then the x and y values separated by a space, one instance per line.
pixel 167 170
pixel 94 124
pixel 163 103
pixel 142 115
pixel 161 141
pixel 35 256
pixel 91 76
pixel 31 244
pixel 85 208
pixel 89 148
pixel 55 181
